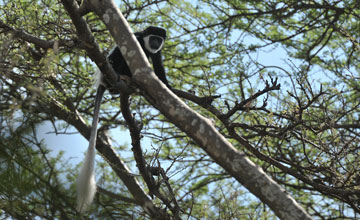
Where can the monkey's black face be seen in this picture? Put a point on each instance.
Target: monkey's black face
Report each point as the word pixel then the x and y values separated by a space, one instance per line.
pixel 153 43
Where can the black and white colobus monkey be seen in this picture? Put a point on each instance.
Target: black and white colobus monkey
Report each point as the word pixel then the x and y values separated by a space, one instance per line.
pixel 152 41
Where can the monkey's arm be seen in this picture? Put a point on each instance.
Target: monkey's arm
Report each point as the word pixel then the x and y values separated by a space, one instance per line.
pixel 159 68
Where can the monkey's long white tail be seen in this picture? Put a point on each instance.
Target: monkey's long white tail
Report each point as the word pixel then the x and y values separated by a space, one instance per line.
pixel 86 185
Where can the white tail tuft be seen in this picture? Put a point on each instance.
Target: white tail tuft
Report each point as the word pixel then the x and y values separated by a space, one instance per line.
pixel 86 185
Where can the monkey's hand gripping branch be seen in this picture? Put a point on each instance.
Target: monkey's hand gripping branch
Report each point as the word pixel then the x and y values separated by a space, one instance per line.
pixel 86 185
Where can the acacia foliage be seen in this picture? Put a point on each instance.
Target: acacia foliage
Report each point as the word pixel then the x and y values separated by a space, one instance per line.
pixel 305 134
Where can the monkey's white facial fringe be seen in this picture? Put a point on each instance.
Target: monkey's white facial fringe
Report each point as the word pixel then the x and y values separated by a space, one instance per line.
pixel 147 44
pixel 86 185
